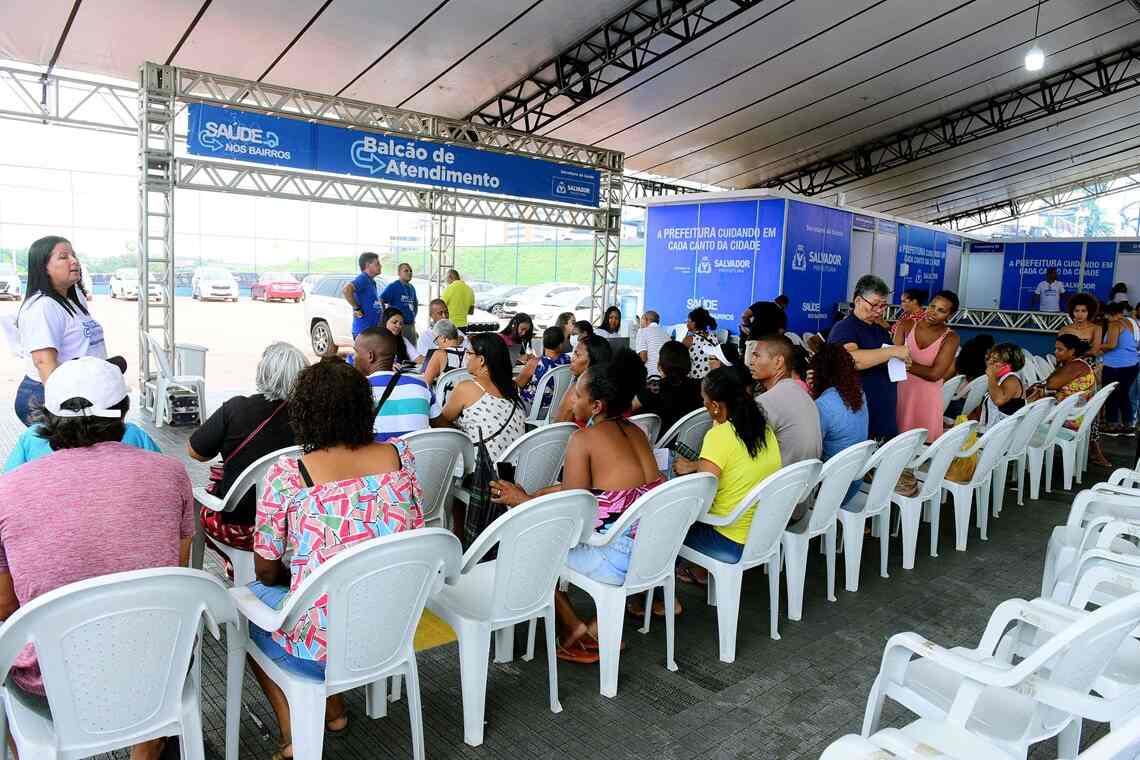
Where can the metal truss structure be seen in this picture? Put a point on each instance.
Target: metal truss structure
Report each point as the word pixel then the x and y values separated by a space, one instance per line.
pixel 635 190
pixel 622 46
pixel 1109 183
pixel 1092 80
pixel 164 90
pixel 1025 321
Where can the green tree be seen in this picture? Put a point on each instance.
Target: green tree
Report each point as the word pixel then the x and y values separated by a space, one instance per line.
pixel 1096 225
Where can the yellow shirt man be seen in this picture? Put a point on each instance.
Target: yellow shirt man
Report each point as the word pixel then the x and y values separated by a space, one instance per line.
pixel 460 299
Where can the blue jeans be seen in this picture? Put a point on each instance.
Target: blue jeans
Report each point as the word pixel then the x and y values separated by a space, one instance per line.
pixel 605 564
pixel 29 397
pixel 274 596
pixel 709 541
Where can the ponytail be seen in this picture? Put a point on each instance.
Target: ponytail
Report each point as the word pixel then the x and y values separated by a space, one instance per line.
pixel 725 386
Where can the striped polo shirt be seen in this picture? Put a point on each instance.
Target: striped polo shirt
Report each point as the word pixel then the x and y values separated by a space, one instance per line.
pixel 409 406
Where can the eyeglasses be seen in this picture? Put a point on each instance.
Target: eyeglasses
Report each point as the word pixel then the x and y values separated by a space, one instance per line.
pixel 875 305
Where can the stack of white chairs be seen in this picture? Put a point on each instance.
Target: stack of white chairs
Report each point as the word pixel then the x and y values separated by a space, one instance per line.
pixel 157 390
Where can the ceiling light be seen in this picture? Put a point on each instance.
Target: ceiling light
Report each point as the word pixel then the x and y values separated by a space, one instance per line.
pixel 1035 59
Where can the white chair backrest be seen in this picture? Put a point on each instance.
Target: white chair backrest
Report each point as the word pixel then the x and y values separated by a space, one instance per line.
pixel 663 517
pixel 8 326
pixel 376 592
pixel 835 478
pixel 722 336
pixel 1031 418
pixel 1028 373
pixel 437 454
pixel 114 651
pixel 994 443
pixel 252 477
pixel 942 453
pixel 1092 408
pixel 795 339
pixel 559 379
pixel 533 543
pixel 950 390
pixel 650 424
pixel 807 335
pixel 888 462
pixel 160 357
pixel 974 395
pixel 446 383
pixel 1091 503
pixel 1060 414
pixel 537 455
pixel 689 430
pixel 775 498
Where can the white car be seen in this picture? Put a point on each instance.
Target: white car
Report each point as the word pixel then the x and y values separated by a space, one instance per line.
pixel 308 282
pixel 10 286
pixel 329 317
pixel 536 297
pixel 214 283
pixel 125 284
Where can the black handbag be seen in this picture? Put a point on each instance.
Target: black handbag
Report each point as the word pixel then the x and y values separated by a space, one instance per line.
pixel 481 511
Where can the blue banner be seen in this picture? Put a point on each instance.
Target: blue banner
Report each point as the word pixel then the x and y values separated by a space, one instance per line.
pixel 1025 267
pixel 921 261
pixel 712 255
pixel 1129 247
pixel 816 257
pixel 1100 265
pixel 242 136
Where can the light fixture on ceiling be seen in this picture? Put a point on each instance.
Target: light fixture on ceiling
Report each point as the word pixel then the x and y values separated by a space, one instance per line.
pixel 1035 58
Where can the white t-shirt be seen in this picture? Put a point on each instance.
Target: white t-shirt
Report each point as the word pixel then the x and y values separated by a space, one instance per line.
pixel 650 340
pixel 1120 297
pixel 43 323
pixel 1050 295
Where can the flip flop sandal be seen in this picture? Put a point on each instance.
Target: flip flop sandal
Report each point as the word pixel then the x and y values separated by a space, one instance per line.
pixel 639 614
pixel 576 653
pixel 685 575
pixel 338 731
pixel 591 644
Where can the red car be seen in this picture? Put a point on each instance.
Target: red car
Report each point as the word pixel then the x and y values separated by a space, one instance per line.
pixel 280 286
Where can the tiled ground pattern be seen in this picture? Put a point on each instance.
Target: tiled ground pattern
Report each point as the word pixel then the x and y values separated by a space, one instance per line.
pixel 781 699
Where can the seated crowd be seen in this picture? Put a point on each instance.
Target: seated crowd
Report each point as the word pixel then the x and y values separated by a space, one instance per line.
pixel 771 402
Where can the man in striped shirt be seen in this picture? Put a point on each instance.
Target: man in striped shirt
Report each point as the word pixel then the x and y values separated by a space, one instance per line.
pixel 409 406
pixel 650 338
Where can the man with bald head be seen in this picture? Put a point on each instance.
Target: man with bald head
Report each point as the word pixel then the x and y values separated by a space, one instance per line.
pixel 459 297
pixel 404 402
pixel 650 338
pixel 791 412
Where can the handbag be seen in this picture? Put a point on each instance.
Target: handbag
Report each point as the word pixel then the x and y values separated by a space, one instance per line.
pixel 217 471
pixel 962 468
pixel 481 511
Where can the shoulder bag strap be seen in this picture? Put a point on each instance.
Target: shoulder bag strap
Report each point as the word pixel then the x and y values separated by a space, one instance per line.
pixel 510 416
pixel 256 430
pixel 388 389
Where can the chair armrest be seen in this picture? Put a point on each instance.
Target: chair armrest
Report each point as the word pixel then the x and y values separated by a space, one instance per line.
pixel 256 611
pixel 1123 476
pixel 902 645
pixel 208 500
pixel 1043 617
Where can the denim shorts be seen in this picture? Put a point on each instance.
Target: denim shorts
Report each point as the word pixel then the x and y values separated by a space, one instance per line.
pixel 709 541
pixel 29 397
pixel 274 597
pixel 605 564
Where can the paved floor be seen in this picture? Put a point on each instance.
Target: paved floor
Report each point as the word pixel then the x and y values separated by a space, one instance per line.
pixel 780 699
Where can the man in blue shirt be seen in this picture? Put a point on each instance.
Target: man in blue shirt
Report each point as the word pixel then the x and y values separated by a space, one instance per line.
pixel 401 294
pixel 361 294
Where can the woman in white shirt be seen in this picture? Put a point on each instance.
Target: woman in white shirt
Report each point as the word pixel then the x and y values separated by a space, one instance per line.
pixel 53 323
pixel 610 326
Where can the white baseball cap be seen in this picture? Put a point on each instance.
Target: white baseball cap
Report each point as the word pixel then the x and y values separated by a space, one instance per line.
pixel 97 381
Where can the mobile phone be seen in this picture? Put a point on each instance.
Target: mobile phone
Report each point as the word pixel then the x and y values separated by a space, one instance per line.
pixel 684 451
pixel 506 471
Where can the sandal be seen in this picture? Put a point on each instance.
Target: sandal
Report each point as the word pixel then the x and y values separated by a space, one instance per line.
pixel 337 731
pixel 590 643
pixel 578 653
pixel 686 575
pixel 637 612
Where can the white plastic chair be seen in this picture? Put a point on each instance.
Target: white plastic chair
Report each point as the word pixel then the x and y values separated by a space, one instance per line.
pixel 251 477
pixel 376 592
pixel 121 661
pixel 445 383
pixel 1091 511
pixel 517 586
pixel 989 447
pixel 1123 476
pixel 439 454
pixel 774 500
pixel 975 395
pixel 662 518
pixel 8 327
pixel 689 430
pixel 1074 445
pixel 794 338
pixel 922 739
pixel 722 336
pixel 1028 373
pixel 950 390
pixel 1017 451
pixel 927 503
pixel 166 380
pixel 650 425
pixel 806 336
pixel 875 503
pixel 1011 705
pixel 559 379
pixel 538 455
pixel 1041 446
pixel 835 478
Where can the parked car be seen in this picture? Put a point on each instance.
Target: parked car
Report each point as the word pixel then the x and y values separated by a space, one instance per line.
pixel 10 286
pixel 492 300
pixel 537 296
pixel 575 301
pixel 329 317
pixel 214 283
pixel 124 283
pixel 277 286
pixel 308 282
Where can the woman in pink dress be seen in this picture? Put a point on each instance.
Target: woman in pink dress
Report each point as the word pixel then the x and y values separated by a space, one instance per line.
pixel 932 347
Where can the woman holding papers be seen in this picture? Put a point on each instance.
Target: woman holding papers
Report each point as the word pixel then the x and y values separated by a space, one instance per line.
pixel 932 345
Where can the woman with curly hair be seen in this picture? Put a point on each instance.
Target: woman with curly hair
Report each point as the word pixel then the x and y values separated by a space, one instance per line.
pixel 343 477
pixel 843 415
pixel 1005 394
pixel 1083 310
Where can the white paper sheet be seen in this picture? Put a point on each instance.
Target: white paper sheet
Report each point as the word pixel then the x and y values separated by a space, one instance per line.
pixel 896 368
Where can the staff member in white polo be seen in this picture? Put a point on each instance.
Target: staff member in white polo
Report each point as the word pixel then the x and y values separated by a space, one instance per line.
pixel 53 323
pixel 1049 292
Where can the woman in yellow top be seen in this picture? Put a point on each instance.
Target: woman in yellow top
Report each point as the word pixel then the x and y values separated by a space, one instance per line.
pixel 741 450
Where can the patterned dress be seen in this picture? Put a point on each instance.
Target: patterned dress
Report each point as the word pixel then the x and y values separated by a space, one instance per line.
pixel 499 420
pixel 314 524
pixel 1084 385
